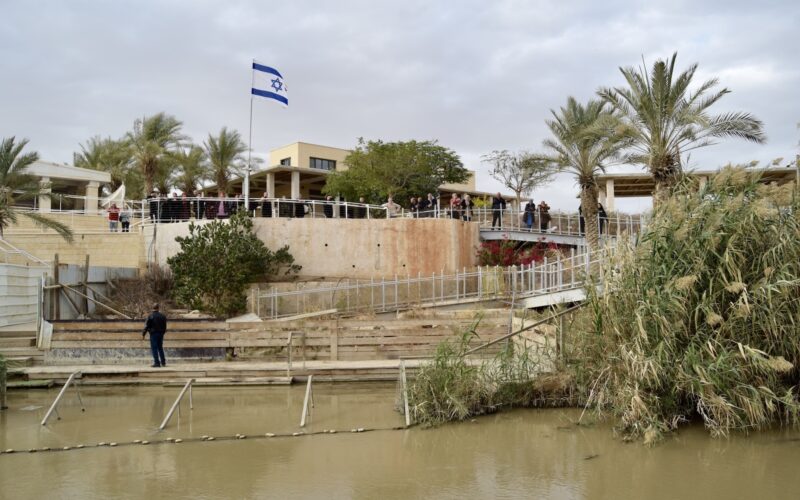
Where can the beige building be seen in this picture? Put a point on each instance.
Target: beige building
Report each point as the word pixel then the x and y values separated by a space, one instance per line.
pixel 71 188
pixel 298 171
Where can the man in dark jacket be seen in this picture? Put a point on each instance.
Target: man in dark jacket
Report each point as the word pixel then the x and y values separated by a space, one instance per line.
pixel 498 205
pixel 156 326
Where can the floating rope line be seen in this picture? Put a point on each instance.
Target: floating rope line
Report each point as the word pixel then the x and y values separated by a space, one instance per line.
pixel 204 438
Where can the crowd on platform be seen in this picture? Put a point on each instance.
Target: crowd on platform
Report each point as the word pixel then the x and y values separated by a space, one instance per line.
pixel 179 208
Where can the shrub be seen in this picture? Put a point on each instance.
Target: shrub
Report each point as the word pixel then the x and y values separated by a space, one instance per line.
pixel 509 253
pixel 217 261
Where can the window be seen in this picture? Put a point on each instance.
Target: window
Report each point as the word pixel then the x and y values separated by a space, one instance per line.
pixel 323 164
pixel 286 161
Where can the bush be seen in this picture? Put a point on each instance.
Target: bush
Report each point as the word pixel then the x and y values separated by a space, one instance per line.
pixel 135 296
pixel 509 253
pixel 217 261
pixel 701 318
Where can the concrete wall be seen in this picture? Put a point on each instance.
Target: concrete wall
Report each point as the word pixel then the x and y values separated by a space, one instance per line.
pixel 19 289
pixel 357 248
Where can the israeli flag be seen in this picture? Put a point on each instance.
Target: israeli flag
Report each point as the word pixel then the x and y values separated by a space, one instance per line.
pixel 268 82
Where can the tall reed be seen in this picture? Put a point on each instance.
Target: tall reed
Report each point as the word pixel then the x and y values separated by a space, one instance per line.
pixel 701 319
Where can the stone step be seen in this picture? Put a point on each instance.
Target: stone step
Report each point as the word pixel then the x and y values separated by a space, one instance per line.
pixel 18 361
pixel 17 342
pixel 20 352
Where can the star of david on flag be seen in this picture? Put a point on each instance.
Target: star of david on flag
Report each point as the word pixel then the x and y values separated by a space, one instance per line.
pixel 269 83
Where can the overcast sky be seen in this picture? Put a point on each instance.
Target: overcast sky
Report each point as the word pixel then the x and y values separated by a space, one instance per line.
pixel 477 76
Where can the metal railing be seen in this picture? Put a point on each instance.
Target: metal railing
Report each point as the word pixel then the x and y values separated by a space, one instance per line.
pixel 165 210
pixel 483 283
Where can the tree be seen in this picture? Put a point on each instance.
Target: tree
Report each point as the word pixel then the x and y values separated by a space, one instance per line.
pixel 520 172
pixel 217 261
pixel 226 155
pixel 16 185
pixel 584 143
pixel 665 119
pixel 151 140
pixel 377 169
pixel 112 156
pixel 193 169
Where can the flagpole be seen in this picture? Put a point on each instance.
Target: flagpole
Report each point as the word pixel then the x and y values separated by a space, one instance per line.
pixel 246 187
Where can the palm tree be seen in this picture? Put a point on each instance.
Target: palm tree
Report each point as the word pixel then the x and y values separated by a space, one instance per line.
pixel 17 185
pixel 114 157
pixel 192 169
pixel 152 139
pixel 226 155
pixel 665 119
pixel 584 143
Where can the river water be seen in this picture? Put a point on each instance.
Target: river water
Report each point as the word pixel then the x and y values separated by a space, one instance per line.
pixel 514 454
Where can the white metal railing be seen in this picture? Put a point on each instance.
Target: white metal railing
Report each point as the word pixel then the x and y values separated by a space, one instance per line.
pixel 483 283
pixel 8 251
pixel 162 209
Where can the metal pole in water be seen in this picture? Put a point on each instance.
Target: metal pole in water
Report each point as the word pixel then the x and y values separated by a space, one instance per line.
pixel 306 409
pixel 176 403
pixel 60 395
pixel 405 393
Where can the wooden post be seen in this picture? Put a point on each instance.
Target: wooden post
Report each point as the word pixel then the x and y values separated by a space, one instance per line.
pixel 85 284
pixel 3 373
pixel 56 291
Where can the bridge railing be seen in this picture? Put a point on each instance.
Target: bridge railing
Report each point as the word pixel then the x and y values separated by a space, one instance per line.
pixel 555 273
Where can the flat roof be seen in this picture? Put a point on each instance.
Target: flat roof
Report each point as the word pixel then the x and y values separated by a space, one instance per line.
pixel 67 172
pixel 642 184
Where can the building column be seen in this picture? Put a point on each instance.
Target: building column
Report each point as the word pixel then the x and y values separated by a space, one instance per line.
pixel 609 206
pixel 92 201
pixel 601 195
pixel 270 185
pixel 295 185
pixel 702 181
pixel 44 201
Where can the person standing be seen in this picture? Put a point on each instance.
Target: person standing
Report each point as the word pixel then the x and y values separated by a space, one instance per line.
pixel 544 216
pixel 455 206
pixel 602 217
pixel 467 205
pixel 125 219
pixel 327 207
pixel 498 206
pixel 530 210
pixel 156 326
pixel 113 217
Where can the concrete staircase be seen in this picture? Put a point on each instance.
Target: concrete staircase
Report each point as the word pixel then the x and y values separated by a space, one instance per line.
pixel 18 346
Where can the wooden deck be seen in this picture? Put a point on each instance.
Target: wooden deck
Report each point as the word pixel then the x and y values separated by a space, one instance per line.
pixel 221 372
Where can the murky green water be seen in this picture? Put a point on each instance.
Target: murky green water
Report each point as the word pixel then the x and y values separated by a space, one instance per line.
pixel 518 454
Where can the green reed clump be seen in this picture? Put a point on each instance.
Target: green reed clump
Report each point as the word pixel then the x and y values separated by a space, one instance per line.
pixel 702 318
pixel 457 386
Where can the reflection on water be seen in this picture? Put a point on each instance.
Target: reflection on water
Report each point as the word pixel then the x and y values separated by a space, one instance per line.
pixel 517 454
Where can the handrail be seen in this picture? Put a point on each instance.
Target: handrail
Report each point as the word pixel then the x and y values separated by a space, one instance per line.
pixel 177 402
pixel 53 408
pixel 525 329
pixel 481 284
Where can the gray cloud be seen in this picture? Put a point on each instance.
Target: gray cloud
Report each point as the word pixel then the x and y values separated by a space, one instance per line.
pixel 477 76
